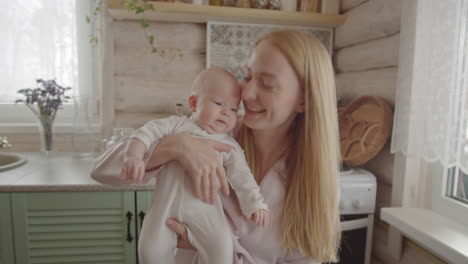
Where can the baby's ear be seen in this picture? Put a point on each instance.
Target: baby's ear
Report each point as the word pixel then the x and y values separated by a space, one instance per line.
pixel 192 101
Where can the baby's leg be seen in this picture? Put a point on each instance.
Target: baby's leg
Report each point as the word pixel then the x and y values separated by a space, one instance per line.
pixel 213 242
pixel 207 227
pixel 157 243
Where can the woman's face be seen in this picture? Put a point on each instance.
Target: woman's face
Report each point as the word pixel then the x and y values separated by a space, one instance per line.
pixel 271 90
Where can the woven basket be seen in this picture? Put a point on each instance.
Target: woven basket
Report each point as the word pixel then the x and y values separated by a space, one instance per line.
pixel 365 126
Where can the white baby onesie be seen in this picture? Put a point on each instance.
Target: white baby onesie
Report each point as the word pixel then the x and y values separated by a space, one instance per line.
pixel 173 196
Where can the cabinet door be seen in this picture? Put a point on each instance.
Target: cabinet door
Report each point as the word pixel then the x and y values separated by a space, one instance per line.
pixel 6 236
pixel 144 199
pixel 74 227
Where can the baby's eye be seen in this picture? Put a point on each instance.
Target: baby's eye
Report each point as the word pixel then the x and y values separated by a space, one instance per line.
pixel 217 103
pixel 234 110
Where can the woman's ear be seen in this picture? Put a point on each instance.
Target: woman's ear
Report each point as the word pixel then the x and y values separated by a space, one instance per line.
pixel 300 107
pixel 192 100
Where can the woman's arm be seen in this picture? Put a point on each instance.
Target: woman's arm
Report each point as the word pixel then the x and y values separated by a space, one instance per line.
pixel 199 157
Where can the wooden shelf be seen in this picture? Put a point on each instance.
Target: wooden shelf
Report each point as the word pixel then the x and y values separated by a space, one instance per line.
pixel 179 12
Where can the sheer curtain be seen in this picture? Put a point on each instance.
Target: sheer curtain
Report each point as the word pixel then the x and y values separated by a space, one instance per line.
pixel 38 41
pixel 431 111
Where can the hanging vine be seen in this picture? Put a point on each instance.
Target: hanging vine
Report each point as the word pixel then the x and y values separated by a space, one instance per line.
pixel 137 7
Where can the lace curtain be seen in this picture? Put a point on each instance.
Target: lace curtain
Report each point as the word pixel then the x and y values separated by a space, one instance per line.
pixel 431 111
pixel 41 39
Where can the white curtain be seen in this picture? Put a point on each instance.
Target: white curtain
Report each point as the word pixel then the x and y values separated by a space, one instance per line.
pixel 40 39
pixel 431 111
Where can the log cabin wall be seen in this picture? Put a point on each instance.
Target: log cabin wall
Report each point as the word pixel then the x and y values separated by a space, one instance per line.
pixel 366 52
pixel 365 60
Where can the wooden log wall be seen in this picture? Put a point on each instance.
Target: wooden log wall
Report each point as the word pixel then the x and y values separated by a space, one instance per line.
pixel 147 85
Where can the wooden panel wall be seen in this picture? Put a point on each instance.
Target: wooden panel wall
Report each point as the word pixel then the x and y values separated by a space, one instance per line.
pixel 148 85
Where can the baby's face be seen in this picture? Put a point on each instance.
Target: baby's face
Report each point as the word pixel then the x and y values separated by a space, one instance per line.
pixel 217 105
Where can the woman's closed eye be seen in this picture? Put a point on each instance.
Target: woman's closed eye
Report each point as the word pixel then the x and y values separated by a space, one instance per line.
pixel 264 85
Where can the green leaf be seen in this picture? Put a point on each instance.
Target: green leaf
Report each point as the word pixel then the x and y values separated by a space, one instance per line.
pixel 150 39
pixel 154 50
pixel 144 23
pixel 88 20
pixel 139 10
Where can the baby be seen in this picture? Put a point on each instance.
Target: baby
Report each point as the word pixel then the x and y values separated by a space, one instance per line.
pixel 214 102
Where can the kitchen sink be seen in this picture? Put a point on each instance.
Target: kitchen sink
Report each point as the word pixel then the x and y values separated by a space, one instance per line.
pixel 10 161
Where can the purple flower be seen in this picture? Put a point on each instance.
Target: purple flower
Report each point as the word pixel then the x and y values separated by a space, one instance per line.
pixel 48 96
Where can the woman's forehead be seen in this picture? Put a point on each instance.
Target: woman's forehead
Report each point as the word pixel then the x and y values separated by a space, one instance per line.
pixel 267 60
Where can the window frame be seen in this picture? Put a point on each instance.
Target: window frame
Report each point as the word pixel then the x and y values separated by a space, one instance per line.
pixel 441 203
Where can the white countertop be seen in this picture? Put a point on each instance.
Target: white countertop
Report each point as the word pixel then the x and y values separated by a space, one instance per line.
pixel 59 171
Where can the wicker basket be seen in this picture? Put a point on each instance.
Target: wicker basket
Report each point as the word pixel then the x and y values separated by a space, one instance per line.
pixel 365 125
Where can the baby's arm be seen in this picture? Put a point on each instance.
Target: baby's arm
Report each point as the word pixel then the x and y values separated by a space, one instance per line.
pixel 134 166
pixel 243 182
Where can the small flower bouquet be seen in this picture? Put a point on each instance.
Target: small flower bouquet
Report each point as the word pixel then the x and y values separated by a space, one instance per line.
pixel 48 97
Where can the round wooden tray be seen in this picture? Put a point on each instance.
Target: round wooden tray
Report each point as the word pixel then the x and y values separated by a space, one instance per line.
pixel 365 126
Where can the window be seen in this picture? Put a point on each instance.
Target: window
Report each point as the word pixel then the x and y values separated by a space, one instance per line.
pixel 457 185
pixel 430 138
pixel 45 39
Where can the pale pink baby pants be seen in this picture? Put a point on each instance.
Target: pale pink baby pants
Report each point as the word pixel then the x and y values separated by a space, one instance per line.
pixel 206 224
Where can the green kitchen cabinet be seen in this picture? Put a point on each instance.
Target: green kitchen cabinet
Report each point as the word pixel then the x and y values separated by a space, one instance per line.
pixel 74 227
pixel 143 199
pixel 6 236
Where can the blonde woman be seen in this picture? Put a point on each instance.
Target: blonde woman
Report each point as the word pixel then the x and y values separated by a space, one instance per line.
pixel 290 137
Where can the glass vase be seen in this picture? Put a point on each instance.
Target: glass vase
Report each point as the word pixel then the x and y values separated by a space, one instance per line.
pixel 46 131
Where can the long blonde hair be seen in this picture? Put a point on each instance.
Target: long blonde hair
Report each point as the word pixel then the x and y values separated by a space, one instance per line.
pixel 310 219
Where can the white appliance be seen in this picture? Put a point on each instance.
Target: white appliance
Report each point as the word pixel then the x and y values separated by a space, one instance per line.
pixel 358 189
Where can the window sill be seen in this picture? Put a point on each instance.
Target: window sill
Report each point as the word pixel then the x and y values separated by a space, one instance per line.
pixel 440 235
pixel 32 128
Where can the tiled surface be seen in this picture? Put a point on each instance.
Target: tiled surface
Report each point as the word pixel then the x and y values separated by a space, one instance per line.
pixel 60 172
pixel 229 44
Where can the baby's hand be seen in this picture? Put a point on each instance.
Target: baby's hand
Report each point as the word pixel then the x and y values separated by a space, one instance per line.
pixel 261 217
pixel 133 169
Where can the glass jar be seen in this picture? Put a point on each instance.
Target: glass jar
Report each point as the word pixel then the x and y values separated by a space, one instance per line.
pixel 216 2
pixel 86 134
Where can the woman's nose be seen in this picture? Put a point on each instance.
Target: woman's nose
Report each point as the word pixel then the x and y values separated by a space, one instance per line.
pixel 249 91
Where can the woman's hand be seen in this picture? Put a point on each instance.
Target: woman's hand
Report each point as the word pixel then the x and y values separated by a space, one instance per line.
pixel 200 158
pixel 182 235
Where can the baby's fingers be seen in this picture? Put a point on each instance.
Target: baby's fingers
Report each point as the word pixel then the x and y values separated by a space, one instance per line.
pixel 140 174
pixel 266 220
pixel 255 218
pixel 123 173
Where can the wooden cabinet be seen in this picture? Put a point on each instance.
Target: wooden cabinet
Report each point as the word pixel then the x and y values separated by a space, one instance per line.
pixel 6 235
pixel 77 227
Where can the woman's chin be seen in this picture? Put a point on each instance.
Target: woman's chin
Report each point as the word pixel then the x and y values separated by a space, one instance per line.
pixel 253 122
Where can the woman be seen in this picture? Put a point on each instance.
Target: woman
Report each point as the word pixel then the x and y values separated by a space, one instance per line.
pixel 290 137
